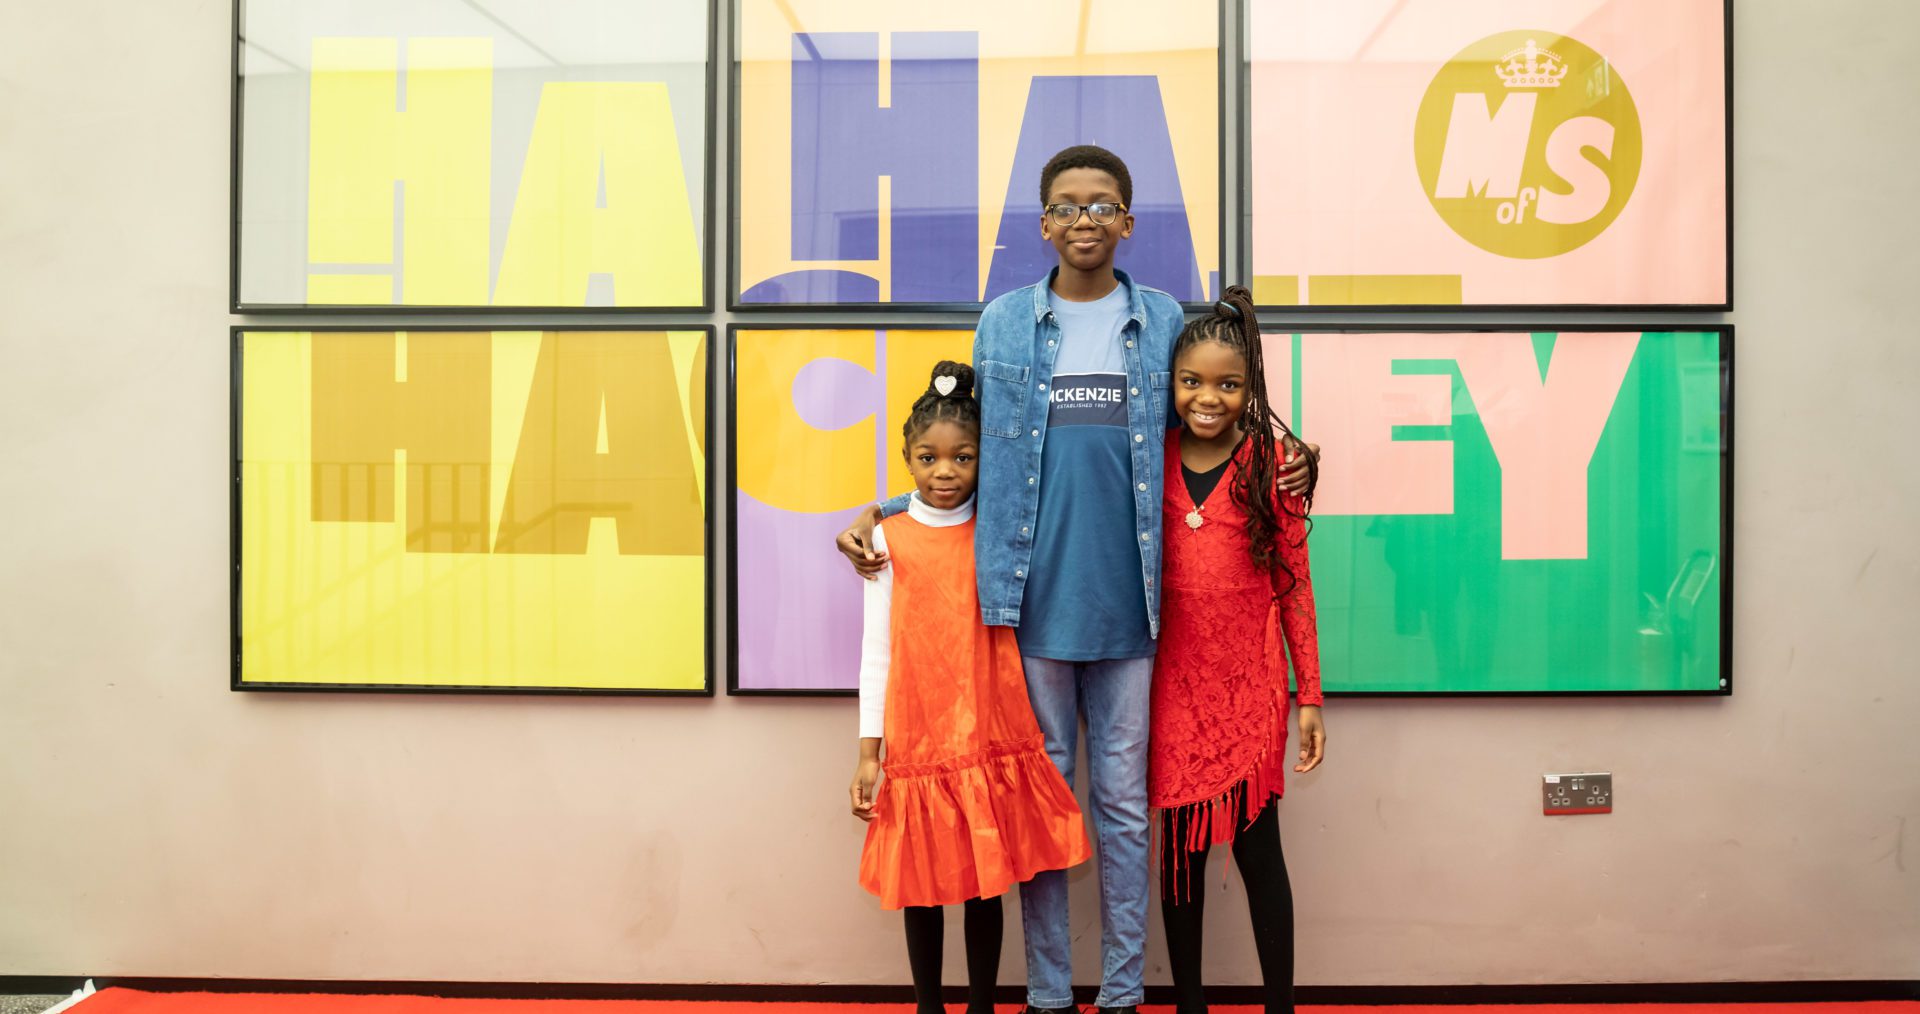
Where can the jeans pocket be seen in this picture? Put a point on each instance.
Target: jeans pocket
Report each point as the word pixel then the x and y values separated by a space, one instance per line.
pixel 1003 398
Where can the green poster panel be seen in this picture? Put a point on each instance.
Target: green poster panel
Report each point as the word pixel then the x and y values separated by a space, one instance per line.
pixel 1523 511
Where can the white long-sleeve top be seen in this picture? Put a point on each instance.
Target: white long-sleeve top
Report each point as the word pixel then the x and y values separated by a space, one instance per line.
pixel 876 638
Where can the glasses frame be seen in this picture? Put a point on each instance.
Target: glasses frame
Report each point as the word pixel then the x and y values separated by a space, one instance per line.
pixel 1083 209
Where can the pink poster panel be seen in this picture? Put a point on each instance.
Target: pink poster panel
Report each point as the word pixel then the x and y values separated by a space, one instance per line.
pixel 1489 152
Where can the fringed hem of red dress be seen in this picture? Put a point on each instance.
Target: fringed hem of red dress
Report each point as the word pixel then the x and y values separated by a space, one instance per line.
pixel 1200 825
pixel 1217 818
pixel 971 827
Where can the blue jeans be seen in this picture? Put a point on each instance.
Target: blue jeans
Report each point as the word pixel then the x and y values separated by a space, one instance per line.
pixel 1115 696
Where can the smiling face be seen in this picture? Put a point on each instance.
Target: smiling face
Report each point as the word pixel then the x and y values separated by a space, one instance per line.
pixel 1210 390
pixel 1085 246
pixel 944 460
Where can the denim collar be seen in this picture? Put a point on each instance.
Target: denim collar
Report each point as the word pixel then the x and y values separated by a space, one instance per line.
pixel 1137 311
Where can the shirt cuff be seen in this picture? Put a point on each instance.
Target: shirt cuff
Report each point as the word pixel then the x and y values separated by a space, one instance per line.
pixel 894 505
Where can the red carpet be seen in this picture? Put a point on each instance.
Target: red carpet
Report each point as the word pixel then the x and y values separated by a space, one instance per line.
pixel 127 1001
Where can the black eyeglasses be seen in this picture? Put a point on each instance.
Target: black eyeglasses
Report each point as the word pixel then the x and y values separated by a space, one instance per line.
pixel 1102 213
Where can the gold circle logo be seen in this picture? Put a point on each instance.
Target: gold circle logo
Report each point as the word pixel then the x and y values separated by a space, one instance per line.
pixel 1527 144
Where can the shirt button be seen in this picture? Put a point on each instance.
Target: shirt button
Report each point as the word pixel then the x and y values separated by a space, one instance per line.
pixel 1134 391
pixel 1030 480
pixel 1143 487
pixel 1149 582
pixel 1143 536
pixel 1137 438
pixel 1049 343
pixel 1019 573
pixel 1023 529
pixel 1129 343
pixel 1036 433
pixel 1043 387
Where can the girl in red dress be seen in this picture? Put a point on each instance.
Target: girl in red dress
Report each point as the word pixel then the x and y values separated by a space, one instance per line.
pixel 1235 586
pixel 971 804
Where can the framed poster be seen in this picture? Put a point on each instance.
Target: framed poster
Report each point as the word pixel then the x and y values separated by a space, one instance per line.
pixel 445 508
pixel 1518 510
pixel 1490 153
pixel 814 435
pixel 1501 511
pixel 441 155
pixel 890 153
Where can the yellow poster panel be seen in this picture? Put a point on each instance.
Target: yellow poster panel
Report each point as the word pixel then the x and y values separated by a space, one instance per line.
pixel 449 509
pixel 429 154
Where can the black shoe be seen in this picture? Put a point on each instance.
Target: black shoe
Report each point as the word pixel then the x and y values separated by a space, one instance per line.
pixel 1069 1009
pixel 1128 1009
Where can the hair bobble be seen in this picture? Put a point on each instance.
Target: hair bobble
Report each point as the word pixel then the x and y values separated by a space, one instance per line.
pixel 948 397
pixel 1224 307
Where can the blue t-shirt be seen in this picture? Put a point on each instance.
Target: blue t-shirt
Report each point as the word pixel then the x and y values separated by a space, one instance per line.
pixel 1083 601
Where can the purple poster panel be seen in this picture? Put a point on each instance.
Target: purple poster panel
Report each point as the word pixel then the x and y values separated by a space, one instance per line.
pixel 816 436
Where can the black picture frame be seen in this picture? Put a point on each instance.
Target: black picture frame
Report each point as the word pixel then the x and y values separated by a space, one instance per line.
pixel 236 338
pixel 734 688
pixel 708 216
pixel 733 303
pixel 1726 344
pixel 1244 158
pixel 1726 341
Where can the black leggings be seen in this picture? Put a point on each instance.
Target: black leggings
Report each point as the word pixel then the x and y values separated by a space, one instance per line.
pixel 926 932
pixel 1256 850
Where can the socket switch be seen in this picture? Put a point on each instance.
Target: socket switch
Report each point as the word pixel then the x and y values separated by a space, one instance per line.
pixel 1564 795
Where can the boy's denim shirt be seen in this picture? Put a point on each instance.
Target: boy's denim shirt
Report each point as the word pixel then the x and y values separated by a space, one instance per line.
pixel 1014 348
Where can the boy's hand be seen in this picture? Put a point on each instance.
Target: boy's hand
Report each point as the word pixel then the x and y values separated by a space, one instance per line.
pixel 1313 739
pixel 856 544
pixel 865 774
pixel 1293 467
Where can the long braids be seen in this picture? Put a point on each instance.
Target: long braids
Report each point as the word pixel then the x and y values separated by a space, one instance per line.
pixel 1255 488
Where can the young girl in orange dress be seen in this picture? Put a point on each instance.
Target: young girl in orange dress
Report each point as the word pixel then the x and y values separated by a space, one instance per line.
pixel 1236 586
pixel 970 804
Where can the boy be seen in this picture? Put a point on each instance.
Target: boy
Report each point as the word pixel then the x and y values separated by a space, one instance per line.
pixel 1072 374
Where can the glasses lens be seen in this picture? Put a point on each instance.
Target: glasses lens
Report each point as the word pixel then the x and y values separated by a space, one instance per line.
pixel 1103 213
pixel 1064 214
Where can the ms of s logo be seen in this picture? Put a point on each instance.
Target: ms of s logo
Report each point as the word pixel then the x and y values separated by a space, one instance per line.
pixel 1528 144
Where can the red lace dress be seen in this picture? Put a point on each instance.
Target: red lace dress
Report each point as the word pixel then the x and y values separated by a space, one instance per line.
pixel 1218 749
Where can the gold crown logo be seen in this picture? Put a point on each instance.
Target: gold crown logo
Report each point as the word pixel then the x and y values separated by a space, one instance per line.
pixel 1531 67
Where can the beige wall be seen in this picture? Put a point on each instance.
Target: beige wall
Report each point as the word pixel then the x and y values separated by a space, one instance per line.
pixel 153 823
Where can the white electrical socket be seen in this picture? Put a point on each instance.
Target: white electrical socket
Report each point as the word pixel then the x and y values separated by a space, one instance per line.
pixel 1587 792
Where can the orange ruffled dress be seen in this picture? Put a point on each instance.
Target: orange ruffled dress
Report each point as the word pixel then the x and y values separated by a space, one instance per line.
pixel 970 804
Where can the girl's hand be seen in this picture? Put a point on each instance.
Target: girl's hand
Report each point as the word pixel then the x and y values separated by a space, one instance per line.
pixel 1293 465
pixel 856 544
pixel 865 774
pixel 1313 739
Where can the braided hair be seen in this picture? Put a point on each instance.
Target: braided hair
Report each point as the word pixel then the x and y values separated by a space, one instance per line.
pixel 956 406
pixel 1232 324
